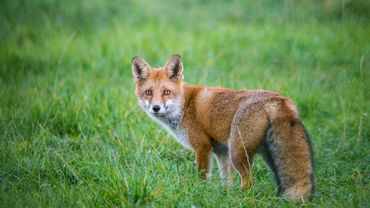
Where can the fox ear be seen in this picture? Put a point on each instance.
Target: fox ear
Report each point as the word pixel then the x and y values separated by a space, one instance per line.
pixel 174 67
pixel 140 69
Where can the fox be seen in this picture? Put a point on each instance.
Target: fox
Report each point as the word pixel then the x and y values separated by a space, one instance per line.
pixel 232 125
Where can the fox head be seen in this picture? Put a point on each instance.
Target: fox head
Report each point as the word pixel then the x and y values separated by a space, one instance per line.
pixel 159 90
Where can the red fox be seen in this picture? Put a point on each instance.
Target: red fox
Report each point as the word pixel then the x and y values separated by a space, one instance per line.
pixel 233 125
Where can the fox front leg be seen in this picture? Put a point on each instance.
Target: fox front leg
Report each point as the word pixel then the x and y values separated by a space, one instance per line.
pixel 203 159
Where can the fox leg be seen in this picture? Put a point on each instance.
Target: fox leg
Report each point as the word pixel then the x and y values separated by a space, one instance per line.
pixel 203 159
pixel 221 151
pixel 225 168
pixel 246 137
pixel 242 162
pixel 241 155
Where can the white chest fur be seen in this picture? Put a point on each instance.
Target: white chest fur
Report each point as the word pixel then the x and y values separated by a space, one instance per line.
pixel 173 126
pixel 181 136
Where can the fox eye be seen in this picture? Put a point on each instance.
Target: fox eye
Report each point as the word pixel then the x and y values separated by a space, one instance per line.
pixel 148 93
pixel 167 92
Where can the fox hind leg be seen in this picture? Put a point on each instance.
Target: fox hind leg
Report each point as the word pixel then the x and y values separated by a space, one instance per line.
pixel 242 163
pixel 245 140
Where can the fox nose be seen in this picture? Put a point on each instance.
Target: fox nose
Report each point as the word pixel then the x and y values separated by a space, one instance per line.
pixel 156 108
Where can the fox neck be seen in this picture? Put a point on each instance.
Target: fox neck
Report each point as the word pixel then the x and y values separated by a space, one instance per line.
pixel 173 122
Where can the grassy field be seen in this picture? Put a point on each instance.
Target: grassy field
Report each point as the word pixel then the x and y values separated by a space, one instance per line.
pixel 71 131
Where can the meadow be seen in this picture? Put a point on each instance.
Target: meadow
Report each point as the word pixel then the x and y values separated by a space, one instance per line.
pixel 73 135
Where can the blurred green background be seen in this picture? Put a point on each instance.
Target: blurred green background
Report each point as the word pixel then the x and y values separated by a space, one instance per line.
pixel 72 134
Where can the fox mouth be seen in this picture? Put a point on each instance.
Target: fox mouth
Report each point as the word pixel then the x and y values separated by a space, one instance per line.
pixel 157 113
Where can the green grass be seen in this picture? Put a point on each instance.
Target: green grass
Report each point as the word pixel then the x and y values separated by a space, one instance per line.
pixel 72 134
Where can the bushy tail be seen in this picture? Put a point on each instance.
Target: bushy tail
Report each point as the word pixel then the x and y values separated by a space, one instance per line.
pixel 288 152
